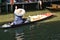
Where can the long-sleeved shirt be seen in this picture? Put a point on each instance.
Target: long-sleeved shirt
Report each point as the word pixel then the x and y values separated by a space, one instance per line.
pixel 18 20
pixel 18 16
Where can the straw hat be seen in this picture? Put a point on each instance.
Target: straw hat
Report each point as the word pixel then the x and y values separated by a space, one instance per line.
pixel 19 12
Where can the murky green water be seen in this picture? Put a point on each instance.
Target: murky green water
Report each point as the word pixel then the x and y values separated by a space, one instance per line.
pixel 35 31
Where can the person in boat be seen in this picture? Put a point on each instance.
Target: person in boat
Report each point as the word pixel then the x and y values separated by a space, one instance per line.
pixel 18 16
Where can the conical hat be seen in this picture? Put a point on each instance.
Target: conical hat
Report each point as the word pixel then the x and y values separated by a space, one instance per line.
pixel 19 12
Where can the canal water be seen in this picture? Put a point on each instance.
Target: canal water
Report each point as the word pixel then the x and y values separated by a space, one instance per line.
pixel 34 31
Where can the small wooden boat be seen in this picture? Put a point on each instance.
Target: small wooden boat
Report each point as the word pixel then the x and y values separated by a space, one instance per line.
pixel 31 19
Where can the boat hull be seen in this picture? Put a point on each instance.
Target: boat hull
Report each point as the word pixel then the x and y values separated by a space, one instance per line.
pixel 30 22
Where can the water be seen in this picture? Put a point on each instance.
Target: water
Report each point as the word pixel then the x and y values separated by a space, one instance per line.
pixel 35 31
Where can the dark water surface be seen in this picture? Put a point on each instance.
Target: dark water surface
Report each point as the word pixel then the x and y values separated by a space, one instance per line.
pixel 35 31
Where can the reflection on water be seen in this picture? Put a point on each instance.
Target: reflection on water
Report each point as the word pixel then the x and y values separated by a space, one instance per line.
pixel 42 31
pixel 35 31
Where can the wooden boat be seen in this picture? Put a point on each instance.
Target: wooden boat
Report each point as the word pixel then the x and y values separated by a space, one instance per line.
pixel 31 19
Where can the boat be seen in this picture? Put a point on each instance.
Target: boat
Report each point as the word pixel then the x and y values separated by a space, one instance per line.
pixel 29 19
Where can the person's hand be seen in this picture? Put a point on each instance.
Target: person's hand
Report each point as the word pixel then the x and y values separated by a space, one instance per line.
pixel 11 24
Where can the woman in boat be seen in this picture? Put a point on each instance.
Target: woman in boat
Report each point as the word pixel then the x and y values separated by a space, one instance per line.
pixel 18 16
